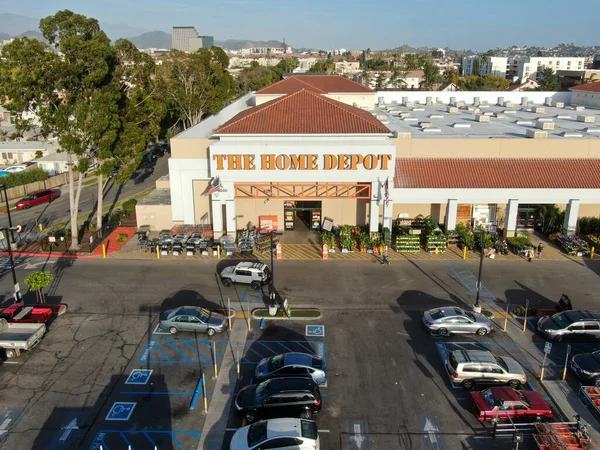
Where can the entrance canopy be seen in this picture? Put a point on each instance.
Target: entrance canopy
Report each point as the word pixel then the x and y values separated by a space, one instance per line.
pixel 303 190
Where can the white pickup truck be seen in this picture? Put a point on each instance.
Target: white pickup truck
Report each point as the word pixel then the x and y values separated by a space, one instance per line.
pixel 16 337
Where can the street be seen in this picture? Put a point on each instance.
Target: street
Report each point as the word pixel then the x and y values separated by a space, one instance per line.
pixel 104 375
pixel 58 211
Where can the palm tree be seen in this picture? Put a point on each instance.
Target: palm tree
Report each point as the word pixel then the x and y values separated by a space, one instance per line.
pixel 3 135
pixel 551 218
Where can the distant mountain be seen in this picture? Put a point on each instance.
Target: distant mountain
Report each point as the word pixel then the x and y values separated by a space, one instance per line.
pixel 121 30
pixel 153 39
pixel 14 24
pixel 4 36
pixel 32 34
pixel 236 44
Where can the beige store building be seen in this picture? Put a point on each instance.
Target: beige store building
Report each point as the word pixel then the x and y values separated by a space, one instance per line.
pixel 314 147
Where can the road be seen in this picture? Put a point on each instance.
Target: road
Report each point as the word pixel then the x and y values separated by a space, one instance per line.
pixel 58 211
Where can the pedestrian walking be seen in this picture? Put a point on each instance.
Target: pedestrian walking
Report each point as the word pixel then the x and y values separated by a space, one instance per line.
pixel 540 247
pixel 384 257
pixel 530 254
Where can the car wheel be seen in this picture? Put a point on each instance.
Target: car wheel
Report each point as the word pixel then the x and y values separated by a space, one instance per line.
pixel 226 282
pixel 255 285
pixel 482 332
pixel 173 330
pixel 306 414
pixel 250 417
pixel 27 206
pixel 514 384
pixel 210 331
pixel 468 384
pixel 11 354
pixel 443 332
pixel 50 199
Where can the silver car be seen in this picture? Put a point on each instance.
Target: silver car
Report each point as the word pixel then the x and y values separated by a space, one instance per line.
pixel 192 318
pixel 453 320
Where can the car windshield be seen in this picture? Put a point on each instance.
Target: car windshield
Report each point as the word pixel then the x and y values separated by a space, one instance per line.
pixel 262 390
pixel 470 315
pixel 257 433
pixel 596 355
pixel 204 315
pixel 488 397
pixel 501 363
pixel 309 429
pixel 562 320
pixel 453 361
pixel 436 314
pixel 27 197
pixel 276 362
pixel 174 313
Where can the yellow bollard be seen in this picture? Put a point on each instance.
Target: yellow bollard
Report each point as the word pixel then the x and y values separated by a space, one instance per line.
pixel 104 250
pixel 542 375
pixel 465 252
pixel 437 251
pixel 218 251
pixel 158 252
pixel 592 252
pixel 41 226
pixel 204 395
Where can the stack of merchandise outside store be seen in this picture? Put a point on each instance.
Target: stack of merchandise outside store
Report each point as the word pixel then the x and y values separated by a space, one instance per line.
pixel 408 234
pixel 246 240
pixel 519 244
pixel 573 245
pixel 263 243
pixel 227 244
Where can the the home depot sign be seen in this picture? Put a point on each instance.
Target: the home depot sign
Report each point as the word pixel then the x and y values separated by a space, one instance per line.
pixel 302 162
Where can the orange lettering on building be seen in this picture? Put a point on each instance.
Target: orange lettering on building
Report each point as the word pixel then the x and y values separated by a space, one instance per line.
pixel 314 163
pixel 267 162
pixel 282 162
pixel 219 159
pixel 299 162
pixel 329 162
pixel 370 162
pixel 234 162
pixel 355 161
pixel 249 162
pixel 384 161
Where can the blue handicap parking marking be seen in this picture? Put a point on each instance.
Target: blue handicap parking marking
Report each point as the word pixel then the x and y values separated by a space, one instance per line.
pixel 159 330
pixel 8 420
pixel 469 281
pixel 67 432
pixel 183 351
pixel 257 350
pixel 145 439
pixel 121 411
pixel 315 330
pixel 558 353
pixel 139 376
pixel 251 296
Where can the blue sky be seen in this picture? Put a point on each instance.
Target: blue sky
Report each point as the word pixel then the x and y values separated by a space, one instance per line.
pixel 352 24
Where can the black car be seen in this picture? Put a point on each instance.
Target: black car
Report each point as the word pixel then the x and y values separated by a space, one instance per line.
pixel 279 397
pixel 587 366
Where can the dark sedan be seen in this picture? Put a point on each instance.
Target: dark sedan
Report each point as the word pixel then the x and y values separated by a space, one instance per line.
pixel 292 365
pixel 587 366
pixel 192 318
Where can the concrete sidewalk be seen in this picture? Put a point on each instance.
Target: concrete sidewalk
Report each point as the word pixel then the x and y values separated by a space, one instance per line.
pixel 217 417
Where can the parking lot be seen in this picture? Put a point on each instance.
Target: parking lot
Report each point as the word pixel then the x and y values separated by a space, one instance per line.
pixel 106 376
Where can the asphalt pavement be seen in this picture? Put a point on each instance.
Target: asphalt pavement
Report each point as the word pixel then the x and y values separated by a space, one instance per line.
pixel 58 211
pixel 104 375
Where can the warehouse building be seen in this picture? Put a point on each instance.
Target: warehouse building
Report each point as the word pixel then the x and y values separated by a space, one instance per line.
pixel 311 148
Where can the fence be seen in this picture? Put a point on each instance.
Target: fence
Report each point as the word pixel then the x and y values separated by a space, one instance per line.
pixel 18 192
pixel 88 240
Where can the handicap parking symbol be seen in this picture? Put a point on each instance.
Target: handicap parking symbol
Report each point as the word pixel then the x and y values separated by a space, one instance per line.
pixel 139 376
pixel 121 411
pixel 315 330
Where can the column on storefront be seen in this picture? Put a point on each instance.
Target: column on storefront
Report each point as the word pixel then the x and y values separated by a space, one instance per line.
pixel 511 217
pixel 571 215
pixel 451 211
pixel 217 217
pixel 374 207
pixel 230 217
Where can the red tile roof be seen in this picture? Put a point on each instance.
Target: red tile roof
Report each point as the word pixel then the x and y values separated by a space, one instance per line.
pixel 490 173
pixel 590 87
pixel 303 112
pixel 324 84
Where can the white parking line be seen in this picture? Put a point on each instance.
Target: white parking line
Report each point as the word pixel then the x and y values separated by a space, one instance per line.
pixel 324 431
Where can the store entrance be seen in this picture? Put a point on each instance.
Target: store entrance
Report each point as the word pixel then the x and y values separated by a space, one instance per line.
pixel 526 216
pixel 302 220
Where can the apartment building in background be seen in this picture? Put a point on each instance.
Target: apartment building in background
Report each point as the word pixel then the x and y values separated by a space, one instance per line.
pixel 520 68
pixel 187 39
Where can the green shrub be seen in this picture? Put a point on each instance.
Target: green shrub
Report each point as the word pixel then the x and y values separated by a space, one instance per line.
pixel 24 177
pixel 520 311
pixel 122 237
pixel 129 205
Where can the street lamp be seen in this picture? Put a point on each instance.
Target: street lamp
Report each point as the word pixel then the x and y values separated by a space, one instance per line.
pixel 10 256
pixel 481 233
pixel 272 283
pixel 3 187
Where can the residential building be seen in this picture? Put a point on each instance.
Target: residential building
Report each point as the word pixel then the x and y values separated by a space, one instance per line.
pixel 347 67
pixel 519 68
pixel 586 95
pixel 525 86
pixel 267 50
pixel 385 80
pixel 54 163
pixel 300 151
pixel 494 66
pixel 19 151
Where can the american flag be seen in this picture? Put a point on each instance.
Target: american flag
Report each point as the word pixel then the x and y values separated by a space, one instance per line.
pixel 215 185
pixel 387 192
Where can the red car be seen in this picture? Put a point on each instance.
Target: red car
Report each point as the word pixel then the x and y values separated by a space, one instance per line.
pixel 20 313
pixel 517 404
pixel 35 198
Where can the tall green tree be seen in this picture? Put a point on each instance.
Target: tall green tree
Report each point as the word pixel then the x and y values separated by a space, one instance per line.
pixel 486 83
pixel 381 81
pixel 255 78
pixel 411 61
pixel 197 84
pixel 37 281
pixel 322 66
pixel 73 96
pixel 476 67
pixel 549 80
pixel 287 65
pixel 431 74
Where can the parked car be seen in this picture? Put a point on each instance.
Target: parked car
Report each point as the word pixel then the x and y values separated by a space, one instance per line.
pixel 255 274
pixel 15 168
pixel 292 364
pixel 17 337
pixel 36 198
pixel 20 313
pixel 279 397
pixel 285 433
pixel 29 163
pixel 586 366
pixel 504 403
pixel 474 367
pixel 453 320
pixel 570 324
pixel 192 318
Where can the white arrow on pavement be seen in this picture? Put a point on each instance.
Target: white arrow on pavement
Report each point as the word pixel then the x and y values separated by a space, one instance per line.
pixel 4 426
pixel 30 266
pixel 432 432
pixel 357 437
pixel 71 426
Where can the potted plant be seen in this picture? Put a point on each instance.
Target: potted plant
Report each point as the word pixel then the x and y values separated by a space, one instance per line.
pixel 347 243
pixel 365 242
pixel 328 238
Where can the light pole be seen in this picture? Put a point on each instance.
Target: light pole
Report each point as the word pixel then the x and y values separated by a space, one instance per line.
pixel 272 283
pixel 12 262
pixel 3 186
pixel 481 234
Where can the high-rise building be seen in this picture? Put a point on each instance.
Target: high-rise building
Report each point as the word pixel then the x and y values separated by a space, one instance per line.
pixel 180 37
pixel 201 42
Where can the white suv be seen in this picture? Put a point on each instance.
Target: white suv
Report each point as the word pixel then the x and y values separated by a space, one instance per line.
pixel 287 433
pixel 255 274
pixel 470 367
